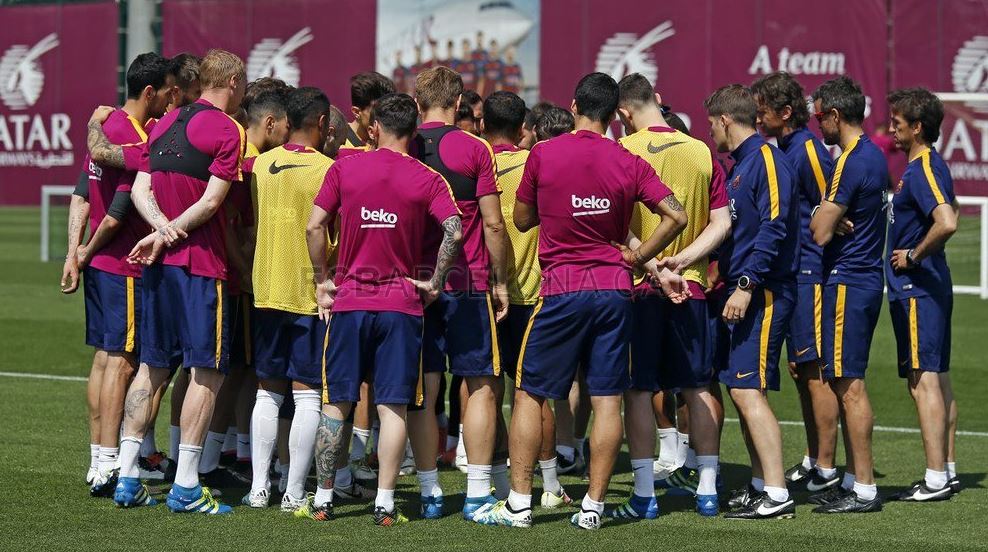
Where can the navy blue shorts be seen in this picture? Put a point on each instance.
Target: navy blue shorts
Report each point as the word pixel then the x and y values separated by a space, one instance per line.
pixel 719 335
pixel 288 346
pixel 113 311
pixel 591 329
pixel 184 316
pixel 805 338
pixel 922 333
pixel 510 334
pixel 382 347
pixel 460 330
pixel 669 344
pixel 850 315
pixel 756 341
pixel 241 342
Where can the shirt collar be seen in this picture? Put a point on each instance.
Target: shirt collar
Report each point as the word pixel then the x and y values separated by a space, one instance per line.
pixel 750 145
pixel 433 124
pixel 798 135
pixel 299 148
pixel 505 147
pixel 660 128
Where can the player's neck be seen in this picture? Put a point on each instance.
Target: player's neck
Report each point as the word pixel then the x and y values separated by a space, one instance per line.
pixel 848 134
pixel 786 131
pixel 495 140
pixel 586 123
pixel 917 149
pixel 393 143
pixel 648 118
pixel 736 135
pixel 136 109
pixel 306 137
pixel 255 135
pixel 439 115
pixel 358 130
pixel 219 97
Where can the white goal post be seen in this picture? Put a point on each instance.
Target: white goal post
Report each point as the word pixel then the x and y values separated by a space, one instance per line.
pixel 981 290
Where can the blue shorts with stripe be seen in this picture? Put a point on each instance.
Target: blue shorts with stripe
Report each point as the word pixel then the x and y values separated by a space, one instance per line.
pixel 922 333
pixel 510 334
pixel 588 329
pixel 460 330
pixel 805 338
pixel 381 347
pixel 288 346
pixel 719 335
pixel 241 342
pixel 185 317
pixel 669 344
pixel 113 311
pixel 756 341
pixel 850 315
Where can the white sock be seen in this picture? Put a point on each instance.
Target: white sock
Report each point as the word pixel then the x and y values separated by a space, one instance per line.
pixel 826 473
pixel 376 435
pixel 668 445
pixel 641 469
pixel 148 446
pixel 499 476
pixel 108 460
pixel 93 456
pixel 580 442
pixel 130 450
pixel 174 438
pixel 690 458
pixel 211 450
pixel 323 496
pixel 758 483
pixel 569 453
pixel 591 504
pixel 230 443
pixel 778 494
pixel 187 474
pixel 865 492
pixel 518 502
pixel 429 483
pixel 263 436
pixel 708 474
pixel 358 443
pixel 478 480
pixel 550 478
pixel 302 439
pixel 344 479
pixel 808 462
pixel 951 470
pixel 848 482
pixel 934 479
pixel 683 447
pixel 385 499
pixel 461 449
pixel 243 446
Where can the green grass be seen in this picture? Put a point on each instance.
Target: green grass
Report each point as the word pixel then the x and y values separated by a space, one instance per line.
pixel 43 456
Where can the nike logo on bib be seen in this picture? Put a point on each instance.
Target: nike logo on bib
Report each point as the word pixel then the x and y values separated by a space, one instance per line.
pixel 503 172
pixel 275 169
pixel 657 149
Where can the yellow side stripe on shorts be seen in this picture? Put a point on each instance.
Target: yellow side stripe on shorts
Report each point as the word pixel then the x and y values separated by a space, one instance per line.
pixel 420 386
pixel 764 339
pixel 839 331
pixel 913 333
pixel 524 343
pixel 131 322
pixel 219 321
pixel 325 346
pixel 496 360
pixel 818 318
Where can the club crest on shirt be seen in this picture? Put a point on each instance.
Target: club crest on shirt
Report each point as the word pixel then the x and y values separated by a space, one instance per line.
pixel 898 187
pixel 736 182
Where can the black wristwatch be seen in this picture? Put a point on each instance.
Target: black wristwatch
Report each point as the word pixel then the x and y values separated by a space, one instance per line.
pixel 744 283
pixel 909 258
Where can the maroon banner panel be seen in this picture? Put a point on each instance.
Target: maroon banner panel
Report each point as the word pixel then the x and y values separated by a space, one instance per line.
pixel 943 45
pixel 57 62
pixel 689 49
pixel 303 42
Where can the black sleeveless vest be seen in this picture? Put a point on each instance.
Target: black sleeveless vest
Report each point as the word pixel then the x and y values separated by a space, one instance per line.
pixel 352 137
pixel 172 151
pixel 428 139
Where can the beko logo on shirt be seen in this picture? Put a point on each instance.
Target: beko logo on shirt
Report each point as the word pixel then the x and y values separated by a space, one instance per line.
pixel 596 205
pixel 378 219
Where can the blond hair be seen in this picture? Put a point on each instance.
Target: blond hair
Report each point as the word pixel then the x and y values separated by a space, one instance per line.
pixel 438 87
pixel 218 67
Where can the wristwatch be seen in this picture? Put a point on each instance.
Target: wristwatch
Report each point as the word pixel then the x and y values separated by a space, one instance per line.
pixel 745 284
pixel 909 258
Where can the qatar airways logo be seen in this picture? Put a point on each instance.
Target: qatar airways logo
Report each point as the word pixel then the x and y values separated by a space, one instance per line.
pixel 592 205
pixel 21 77
pixel 626 53
pixel 969 73
pixel 273 58
pixel 377 219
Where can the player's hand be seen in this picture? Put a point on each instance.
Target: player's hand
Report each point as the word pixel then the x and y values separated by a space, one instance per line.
pixel 844 227
pixel 673 286
pixel 792 370
pixel 675 263
pixel 70 275
pixel 500 297
pixel 631 258
pixel 101 114
pixel 325 297
pixel 147 250
pixel 172 234
pixel 428 290
pixel 736 306
pixel 83 256
pixel 899 260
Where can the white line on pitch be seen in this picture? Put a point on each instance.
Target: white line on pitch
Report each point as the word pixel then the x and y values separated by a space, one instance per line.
pixel 42 376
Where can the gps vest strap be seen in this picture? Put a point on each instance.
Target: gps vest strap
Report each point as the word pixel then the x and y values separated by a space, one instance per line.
pixel 464 188
pixel 173 152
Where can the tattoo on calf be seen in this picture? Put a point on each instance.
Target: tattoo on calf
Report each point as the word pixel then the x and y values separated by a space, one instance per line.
pixel 137 403
pixel 329 445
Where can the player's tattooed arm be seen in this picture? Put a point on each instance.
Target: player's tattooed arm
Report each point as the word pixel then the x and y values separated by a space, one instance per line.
pixel 206 207
pixel 329 446
pixel 78 213
pixel 448 251
pixel 672 203
pixel 101 149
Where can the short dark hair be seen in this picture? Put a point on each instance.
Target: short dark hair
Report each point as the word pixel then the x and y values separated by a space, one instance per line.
pixel 304 107
pixel 185 68
pixel 438 87
pixel 264 84
pixel 674 120
pixel 844 95
pixel 273 102
pixel 553 122
pixel 734 100
pixel 463 113
pixel 470 97
pixel 635 90
pixel 368 87
pixel 147 69
pixel 597 97
pixel 779 89
pixel 397 113
pixel 504 114
pixel 918 105
pixel 532 115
